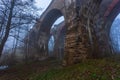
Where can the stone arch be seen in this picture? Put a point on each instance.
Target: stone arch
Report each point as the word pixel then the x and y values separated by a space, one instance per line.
pixel 45 27
pixel 49 19
pixel 110 18
pixel 109 9
pixel 57 9
pixel 60 40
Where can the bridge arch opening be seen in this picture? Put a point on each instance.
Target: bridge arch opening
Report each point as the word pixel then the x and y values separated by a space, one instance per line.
pixel 57 33
pixel 115 34
pixel 111 26
pixel 53 27
pixel 49 20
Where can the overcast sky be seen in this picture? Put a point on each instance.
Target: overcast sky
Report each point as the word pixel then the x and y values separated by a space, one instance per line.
pixel 42 4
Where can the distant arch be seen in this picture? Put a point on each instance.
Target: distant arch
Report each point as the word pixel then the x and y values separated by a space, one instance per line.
pixel 49 19
pixel 46 25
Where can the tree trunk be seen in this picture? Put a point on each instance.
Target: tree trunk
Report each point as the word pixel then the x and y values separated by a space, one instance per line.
pixel 7 27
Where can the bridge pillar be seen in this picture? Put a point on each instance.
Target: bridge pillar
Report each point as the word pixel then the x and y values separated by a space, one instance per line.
pixel 102 42
pixel 43 44
pixel 59 46
pixel 79 42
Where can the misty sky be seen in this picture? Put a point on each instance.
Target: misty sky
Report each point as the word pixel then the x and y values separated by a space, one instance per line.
pixel 42 4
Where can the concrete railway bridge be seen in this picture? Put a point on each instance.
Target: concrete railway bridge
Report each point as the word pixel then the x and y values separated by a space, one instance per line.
pixel 84 32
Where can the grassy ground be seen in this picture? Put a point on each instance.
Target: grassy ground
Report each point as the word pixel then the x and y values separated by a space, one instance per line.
pixel 94 69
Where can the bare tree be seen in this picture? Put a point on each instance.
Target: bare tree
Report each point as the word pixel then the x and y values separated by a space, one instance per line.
pixel 15 14
pixel 12 3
